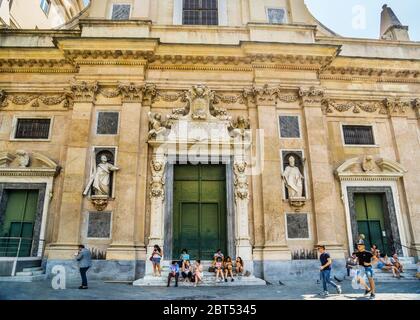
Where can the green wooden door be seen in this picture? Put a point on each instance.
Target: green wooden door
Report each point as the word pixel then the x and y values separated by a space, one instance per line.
pixel 199 212
pixel 18 222
pixel 370 220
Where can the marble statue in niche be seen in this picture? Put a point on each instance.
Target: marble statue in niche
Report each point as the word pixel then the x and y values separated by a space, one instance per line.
pixel 293 179
pixel 100 179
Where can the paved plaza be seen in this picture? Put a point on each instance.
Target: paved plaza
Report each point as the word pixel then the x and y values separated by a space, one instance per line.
pixel 99 290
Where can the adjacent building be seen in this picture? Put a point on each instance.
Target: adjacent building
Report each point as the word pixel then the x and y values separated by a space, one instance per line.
pixel 244 125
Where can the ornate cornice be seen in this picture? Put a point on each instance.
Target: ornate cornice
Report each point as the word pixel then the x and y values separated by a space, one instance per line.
pixel 108 57
pixel 349 73
pixel 36 100
pixel 84 91
pixel 311 96
pixel 37 66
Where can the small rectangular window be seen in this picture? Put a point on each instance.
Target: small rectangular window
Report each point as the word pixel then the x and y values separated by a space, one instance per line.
pixel 107 122
pixel 276 15
pixel 121 11
pixel 358 135
pixel 289 127
pixel 45 6
pixel 33 129
pixel 200 12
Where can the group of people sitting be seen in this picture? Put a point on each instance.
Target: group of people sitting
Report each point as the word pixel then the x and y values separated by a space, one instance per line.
pixel 221 266
pixel 383 262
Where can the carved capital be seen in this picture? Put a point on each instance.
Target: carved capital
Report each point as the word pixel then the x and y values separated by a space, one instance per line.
pixel 3 99
pixel 266 95
pixel 311 96
pixel 131 92
pixel 84 91
pixel 416 106
pixel 395 106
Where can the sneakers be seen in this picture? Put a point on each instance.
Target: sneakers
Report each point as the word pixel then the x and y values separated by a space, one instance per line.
pixel 83 287
pixel 367 292
pixel 232 280
pixel 225 279
pixel 324 294
pixel 339 289
pixel 372 295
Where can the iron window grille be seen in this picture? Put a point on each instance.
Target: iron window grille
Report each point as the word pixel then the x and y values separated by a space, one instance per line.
pixel 358 135
pixel 33 129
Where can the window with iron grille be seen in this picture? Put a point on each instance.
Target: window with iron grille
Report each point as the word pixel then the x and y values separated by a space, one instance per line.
pixel 32 129
pixel 121 11
pixel 358 135
pixel 200 12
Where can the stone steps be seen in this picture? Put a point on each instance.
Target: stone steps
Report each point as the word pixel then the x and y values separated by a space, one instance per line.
pixel 27 275
pixel 32 278
pixel 208 280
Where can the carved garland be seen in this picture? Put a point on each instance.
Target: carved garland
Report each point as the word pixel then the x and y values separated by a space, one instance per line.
pixel 34 100
pixel 386 107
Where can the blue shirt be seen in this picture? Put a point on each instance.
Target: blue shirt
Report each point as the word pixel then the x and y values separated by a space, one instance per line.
pixel 174 268
pixel 185 256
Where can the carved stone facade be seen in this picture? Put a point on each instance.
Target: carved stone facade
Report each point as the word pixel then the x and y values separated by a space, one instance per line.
pixel 216 97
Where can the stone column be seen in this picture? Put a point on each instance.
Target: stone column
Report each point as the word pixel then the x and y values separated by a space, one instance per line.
pixel 123 226
pixel 242 239
pixel 322 176
pixel 275 246
pixel 157 197
pixel 74 172
pixel 405 133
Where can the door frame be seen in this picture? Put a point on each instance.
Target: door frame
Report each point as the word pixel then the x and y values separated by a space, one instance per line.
pixel 390 190
pixel 44 191
pixel 169 199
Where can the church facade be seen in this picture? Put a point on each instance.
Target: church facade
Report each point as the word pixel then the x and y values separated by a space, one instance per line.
pixel 245 126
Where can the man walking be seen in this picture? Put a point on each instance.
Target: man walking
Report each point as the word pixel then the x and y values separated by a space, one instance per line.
pixel 325 270
pixel 365 267
pixel 84 259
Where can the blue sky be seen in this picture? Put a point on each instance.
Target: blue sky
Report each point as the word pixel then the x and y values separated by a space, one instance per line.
pixel 340 15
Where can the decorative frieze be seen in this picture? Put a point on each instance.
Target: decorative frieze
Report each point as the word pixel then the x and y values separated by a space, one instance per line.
pixel 24 163
pixel 329 106
pixel 35 100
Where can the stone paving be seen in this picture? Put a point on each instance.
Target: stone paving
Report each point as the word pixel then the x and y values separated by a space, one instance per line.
pixel 290 290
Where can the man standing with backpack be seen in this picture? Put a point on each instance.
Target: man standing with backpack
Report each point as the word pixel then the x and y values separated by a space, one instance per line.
pixel 325 270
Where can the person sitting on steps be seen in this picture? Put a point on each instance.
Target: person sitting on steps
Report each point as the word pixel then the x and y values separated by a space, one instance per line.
pixel 186 271
pixel 228 269
pixel 173 273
